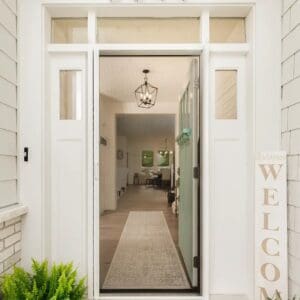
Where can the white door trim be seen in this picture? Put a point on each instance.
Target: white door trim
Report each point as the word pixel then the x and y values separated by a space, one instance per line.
pixel 142 49
pixel 91 203
pixel 96 217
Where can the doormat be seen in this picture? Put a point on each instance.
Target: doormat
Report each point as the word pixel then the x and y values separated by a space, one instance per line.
pixel 146 256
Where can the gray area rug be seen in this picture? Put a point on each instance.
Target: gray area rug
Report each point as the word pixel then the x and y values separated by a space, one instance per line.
pixel 146 256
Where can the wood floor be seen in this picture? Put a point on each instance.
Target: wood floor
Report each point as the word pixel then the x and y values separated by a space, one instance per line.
pixel 112 222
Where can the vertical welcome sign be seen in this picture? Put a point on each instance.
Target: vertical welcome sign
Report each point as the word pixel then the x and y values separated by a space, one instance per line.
pixel 271 225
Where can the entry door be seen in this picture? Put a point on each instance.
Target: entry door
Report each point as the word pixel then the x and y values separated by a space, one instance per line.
pixel 68 159
pixel 188 186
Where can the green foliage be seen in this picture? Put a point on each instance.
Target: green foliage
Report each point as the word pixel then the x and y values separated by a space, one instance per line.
pixel 15 286
pixel 278 297
pixel 60 283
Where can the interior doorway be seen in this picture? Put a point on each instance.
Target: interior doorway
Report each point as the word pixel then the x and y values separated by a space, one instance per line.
pixel 149 189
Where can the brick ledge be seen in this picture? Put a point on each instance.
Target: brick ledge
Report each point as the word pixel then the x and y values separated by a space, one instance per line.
pixel 12 212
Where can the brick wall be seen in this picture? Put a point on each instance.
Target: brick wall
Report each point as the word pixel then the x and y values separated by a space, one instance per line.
pixel 291 131
pixel 10 244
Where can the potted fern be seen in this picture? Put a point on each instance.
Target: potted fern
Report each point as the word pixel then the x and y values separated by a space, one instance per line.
pixel 58 283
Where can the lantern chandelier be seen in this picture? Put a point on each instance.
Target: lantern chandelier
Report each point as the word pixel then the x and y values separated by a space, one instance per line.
pixel 166 151
pixel 146 93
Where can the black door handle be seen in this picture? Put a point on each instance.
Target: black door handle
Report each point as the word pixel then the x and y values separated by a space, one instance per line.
pixel 26 154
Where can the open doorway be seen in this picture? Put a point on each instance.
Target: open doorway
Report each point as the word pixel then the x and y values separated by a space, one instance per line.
pixel 149 191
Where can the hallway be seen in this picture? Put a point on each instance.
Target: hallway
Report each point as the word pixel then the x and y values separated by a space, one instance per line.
pixel 136 198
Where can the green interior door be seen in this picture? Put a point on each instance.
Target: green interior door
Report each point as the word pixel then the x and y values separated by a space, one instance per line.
pixel 188 185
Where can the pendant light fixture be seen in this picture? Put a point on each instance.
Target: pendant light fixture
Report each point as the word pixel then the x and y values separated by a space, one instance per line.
pixel 146 93
pixel 166 151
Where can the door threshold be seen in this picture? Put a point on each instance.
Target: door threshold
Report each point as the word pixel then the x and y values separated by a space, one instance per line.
pixel 149 291
pixel 171 295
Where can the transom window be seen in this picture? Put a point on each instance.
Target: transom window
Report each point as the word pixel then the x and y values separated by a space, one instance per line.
pixel 69 30
pixel 148 30
pixel 227 30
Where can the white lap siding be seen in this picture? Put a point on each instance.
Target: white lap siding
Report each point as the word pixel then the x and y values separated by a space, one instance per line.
pixel 8 102
pixel 10 230
pixel 291 131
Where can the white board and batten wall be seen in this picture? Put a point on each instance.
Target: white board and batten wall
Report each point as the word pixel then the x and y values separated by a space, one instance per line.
pixel 68 167
pixel 8 102
pixel 229 217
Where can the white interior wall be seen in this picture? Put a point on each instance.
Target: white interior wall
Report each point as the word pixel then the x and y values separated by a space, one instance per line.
pixel 109 109
pixel 122 169
pixel 8 102
pixel 108 189
pixel 137 144
pixel 103 165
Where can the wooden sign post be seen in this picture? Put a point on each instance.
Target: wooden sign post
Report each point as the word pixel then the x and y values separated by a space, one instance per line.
pixel 271 225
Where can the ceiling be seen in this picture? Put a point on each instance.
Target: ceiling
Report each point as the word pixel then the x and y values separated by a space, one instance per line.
pixel 120 76
pixel 146 125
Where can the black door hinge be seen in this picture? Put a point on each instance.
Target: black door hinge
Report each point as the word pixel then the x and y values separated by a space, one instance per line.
pixel 26 154
pixel 196 171
pixel 196 262
pixel 197 83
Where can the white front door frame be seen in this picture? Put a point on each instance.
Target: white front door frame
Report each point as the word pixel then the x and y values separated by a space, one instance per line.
pixel 264 54
pixel 201 50
pixel 137 50
pixel 93 51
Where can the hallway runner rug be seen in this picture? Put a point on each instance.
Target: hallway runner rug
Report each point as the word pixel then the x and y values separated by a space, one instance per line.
pixel 146 256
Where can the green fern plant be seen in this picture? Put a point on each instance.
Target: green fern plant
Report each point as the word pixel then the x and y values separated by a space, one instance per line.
pixel 60 283
pixel 278 297
pixel 16 286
